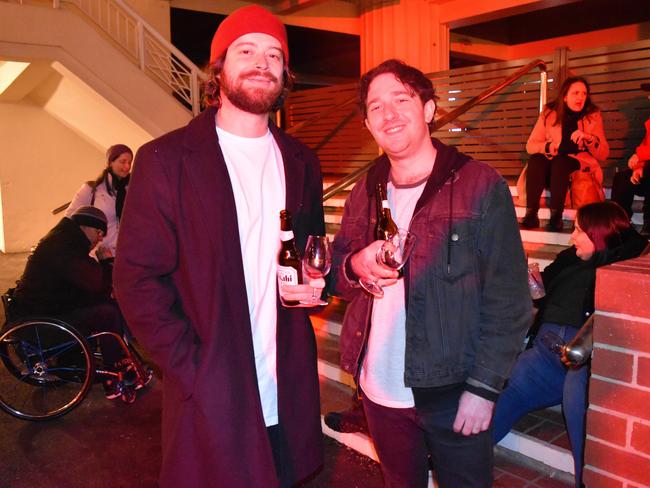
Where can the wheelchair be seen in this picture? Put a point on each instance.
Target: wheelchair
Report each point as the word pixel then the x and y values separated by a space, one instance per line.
pixel 49 367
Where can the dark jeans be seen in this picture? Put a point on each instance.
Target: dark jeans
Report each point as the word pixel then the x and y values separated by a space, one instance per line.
pixel 98 318
pixel 554 173
pixel 623 191
pixel 403 437
pixel 540 380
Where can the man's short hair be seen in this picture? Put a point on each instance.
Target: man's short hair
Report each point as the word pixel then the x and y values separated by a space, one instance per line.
pixel 411 77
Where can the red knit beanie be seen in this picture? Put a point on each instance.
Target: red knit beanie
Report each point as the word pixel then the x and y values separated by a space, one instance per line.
pixel 246 20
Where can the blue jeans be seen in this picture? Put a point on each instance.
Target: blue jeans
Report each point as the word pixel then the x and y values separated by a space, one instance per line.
pixel 540 380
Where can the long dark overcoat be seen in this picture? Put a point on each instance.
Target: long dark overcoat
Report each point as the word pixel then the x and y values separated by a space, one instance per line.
pixel 180 282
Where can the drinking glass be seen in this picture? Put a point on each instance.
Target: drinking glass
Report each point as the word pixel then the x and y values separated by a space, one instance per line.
pixel 317 262
pixel 535 282
pixel 393 253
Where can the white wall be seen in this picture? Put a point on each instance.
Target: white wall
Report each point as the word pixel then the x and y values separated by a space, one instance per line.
pixel 43 163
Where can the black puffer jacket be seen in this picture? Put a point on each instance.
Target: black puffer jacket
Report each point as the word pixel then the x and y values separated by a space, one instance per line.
pixel 60 276
pixel 570 282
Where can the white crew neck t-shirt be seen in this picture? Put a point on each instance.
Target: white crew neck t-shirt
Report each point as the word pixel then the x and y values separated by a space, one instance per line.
pixel 257 176
pixel 382 371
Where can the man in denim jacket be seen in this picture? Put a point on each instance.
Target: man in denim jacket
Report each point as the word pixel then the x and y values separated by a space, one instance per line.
pixel 432 355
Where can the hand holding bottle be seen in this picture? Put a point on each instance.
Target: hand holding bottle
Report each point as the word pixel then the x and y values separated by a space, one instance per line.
pixel 303 295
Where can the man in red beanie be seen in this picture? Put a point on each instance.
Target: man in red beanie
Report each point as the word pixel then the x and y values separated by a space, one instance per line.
pixel 196 269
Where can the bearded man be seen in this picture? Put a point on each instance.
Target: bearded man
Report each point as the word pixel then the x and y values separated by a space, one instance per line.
pixel 196 273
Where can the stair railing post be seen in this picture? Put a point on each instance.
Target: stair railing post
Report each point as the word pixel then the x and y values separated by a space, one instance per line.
pixel 543 88
pixel 140 31
pixel 194 83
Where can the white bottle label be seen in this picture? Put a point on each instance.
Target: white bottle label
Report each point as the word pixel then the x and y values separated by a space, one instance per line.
pixel 287 276
pixel 286 235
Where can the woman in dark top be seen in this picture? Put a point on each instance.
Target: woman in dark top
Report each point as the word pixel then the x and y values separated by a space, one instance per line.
pixel 539 379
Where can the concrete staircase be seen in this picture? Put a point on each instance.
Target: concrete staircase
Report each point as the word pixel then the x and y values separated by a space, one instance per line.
pixel 540 436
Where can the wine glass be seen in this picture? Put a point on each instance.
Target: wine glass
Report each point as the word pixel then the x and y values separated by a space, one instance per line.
pixel 393 253
pixel 316 262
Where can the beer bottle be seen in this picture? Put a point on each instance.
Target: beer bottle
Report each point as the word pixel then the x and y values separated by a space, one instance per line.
pixel 386 226
pixel 289 263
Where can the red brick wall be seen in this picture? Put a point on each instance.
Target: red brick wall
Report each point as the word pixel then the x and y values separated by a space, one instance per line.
pixel 618 420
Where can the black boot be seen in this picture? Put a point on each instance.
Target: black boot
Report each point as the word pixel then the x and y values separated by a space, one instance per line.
pixel 530 220
pixel 555 223
pixel 645 230
pixel 351 420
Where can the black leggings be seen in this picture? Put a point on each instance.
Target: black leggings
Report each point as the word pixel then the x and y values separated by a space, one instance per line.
pixel 554 173
pixel 623 191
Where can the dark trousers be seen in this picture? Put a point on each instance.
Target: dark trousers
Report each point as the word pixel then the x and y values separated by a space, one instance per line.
pixel 281 456
pixel 404 437
pixel 96 318
pixel 623 191
pixel 553 173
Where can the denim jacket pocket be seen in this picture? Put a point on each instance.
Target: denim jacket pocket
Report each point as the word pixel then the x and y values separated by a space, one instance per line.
pixel 453 253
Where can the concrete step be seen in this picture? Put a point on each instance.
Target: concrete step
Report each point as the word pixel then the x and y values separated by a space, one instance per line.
pixel 539 236
pixel 338 200
pixel 540 436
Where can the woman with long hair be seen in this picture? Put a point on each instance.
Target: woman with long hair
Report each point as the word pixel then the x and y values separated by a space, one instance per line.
pixel 602 235
pixel 107 192
pixel 568 136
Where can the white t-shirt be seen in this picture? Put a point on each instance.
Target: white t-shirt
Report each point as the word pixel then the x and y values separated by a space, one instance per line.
pixel 382 371
pixel 257 177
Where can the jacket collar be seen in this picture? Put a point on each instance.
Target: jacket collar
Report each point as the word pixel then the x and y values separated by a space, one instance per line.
pixel 448 161
pixel 201 140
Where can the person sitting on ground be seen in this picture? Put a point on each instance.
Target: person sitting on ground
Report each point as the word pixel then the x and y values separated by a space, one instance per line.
pixel 568 136
pixel 62 281
pixel 540 379
pixel 635 180
pixel 107 192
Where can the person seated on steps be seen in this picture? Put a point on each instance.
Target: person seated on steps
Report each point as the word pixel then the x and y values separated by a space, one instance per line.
pixel 568 136
pixel 540 378
pixel 635 180
pixel 62 281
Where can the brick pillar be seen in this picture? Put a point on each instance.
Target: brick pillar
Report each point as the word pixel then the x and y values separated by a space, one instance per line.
pixel 408 30
pixel 618 420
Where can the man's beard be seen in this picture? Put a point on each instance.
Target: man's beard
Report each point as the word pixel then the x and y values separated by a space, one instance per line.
pixel 253 100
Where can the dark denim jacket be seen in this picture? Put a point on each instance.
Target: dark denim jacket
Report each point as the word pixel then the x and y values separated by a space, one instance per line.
pixel 467 299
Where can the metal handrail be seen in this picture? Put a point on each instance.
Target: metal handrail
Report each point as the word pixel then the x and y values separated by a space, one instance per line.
pixel 295 128
pixel 147 49
pixel 450 116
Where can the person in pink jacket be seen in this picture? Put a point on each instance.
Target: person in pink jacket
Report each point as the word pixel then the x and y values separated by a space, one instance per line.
pixel 635 180
pixel 568 136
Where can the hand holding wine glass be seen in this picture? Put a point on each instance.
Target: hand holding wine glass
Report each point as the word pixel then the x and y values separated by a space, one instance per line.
pixel 317 262
pixel 393 254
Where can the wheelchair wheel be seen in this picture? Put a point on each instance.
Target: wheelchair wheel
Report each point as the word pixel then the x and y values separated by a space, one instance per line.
pixel 48 369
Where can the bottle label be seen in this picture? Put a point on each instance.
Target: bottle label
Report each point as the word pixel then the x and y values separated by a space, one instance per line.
pixel 384 204
pixel 287 276
pixel 286 235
